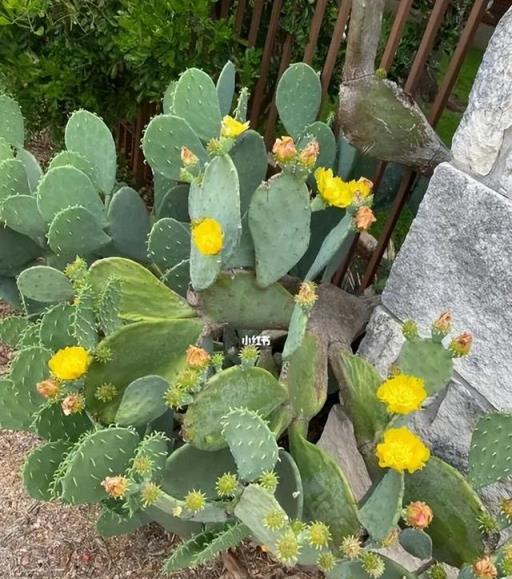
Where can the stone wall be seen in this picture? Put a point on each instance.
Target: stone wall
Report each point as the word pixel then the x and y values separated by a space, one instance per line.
pixel 458 257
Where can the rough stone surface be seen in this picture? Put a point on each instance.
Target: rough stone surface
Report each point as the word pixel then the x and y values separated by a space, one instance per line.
pixel 483 141
pixel 339 442
pixel 458 257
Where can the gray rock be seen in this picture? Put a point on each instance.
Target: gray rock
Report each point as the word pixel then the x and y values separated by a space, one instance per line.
pixel 481 138
pixel 458 257
pixel 339 442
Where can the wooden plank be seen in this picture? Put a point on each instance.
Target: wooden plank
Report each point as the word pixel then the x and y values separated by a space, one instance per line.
pixel 401 16
pixel 334 46
pixel 255 22
pixel 314 30
pixel 239 16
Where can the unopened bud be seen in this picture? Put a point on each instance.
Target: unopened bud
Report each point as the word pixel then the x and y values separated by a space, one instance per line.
pixel 443 324
pixel 197 357
pixel 284 150
pixel 418 515
pixel 309 154
pixel 73 404
pixel 410 329
pixel 461 345
pixel 307 296
pixel 188 158
pixel 115 486
pixel 485 568
pixel 364 219
pixel 48 388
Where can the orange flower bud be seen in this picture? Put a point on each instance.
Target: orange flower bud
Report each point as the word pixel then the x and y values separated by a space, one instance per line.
pixel 418 515
pixel 197 357
pixel 364 218
pixel 115 486
pixel 461 345
pixel 484 567
pixel 73 404
pixel 188 158
pixel 284 149
pixel 309 154
pixel 48 388
pixel 443 324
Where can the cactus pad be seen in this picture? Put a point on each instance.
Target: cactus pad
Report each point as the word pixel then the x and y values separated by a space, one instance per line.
pixel 490 455
pixel 45 284
pixel 65 158
pixel 16 250
pixel 32 168
pixel 169 243
pixel 107 307
pixel 12 130
pixel 251 443
pixel 83 319
pixel 142 401
pixel 52 424
pixel 40 468
pixel 279 220
pixel 226 87
pixel 20 213
pixel 55 330
pixel 289 492
pixel 251 388
pixel 13 179
pixel 174 203
pixel 323 134
pixel 97 455
pixel 11 329
pixel 112 524
pixel 417 543
pixel 296 331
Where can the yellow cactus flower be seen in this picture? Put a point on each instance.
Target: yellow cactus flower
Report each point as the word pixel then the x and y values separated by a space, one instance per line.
pixel 115 486
pixel 231 128
pixel 402 394
pixel 333 190
pixel 402 450
pixel 208 236
pixel 70 363
pixel 362 187
pixel 306 296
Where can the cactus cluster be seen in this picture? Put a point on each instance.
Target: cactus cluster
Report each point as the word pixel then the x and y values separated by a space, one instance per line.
pixel 129 363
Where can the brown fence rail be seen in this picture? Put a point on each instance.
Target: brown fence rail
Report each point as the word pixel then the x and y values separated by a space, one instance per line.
pixel 261 21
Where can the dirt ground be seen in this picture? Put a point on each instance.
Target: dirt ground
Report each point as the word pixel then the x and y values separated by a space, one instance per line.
pixel 52 541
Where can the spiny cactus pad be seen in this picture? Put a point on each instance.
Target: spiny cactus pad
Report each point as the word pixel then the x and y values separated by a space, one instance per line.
pixel 417 543
pixel 490 455
pixel 251 443
pixel 429 360
pixel 289 492
pixel 40 468
pixel 142 401
pixel 251 388
pixel 13 179
pixel 76 160
pixel 137 284
pixel 381 511
pixel 173 203
pixel 354 570
pixel 45 284
pixel 83 319
pixel 112 524
pixel 169 243
pixel 108 304
pixel 32 168
pixel 87 135
pixel 279 217
pixel 327 494
pixel 11 329
pixel 226 87
pixel 12 130
pixel 52 424
pixel 96 456
pixel 20 213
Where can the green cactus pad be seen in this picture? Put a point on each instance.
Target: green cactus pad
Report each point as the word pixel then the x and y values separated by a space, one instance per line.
pixel 196 101
pixel 18 395
pixel 298 98
pixel 40 468
pixel 6 150
pixel 354 570
pixel 154 447
pixel 9 291
pixel 173 525
pixel 251 388
pixel 251 509
pixel 134 355
pixel 204 269
pixel 142 401
pixel 226 87
pixel 76 231
pixel 235 298
pixel 16 251
pixel 229 537
pixel 220 176
pixel 178 278
pixel 251 443
pixel 11 329
pixel 327 494
pixel 111 524
pixel 161 186
pixel 249 156
pixel 289 492
pixel 174 203
pixel 184 556
pixel 168 100
pixel 52 424
pixel 32 168
pixel 490 455
pixel 211 512
pixel 55 330
pixel 76 160
pixel 189 468
pixel 323 134
pixel 107 307
pixel 330 247
pixel 169 243
pixel 13 179
pixel 307 377
pixel 129 223
pixel 417 543
pixel 381 511
pixel 162 143
pixel 87 135
pixel 45 284
pixel 429 360
pixel 20 213
pixel 143 296
pixel 242 103
pixel 12 130
pixel 367 413
pixel 457 509
pixel 97 455
pixel 64 187
pixel 296 331
pixel 279 217
pixel 83 320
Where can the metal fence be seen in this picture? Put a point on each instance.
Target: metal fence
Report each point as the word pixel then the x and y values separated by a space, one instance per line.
pixel 259 15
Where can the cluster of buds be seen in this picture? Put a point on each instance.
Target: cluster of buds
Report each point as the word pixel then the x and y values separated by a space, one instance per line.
pixel 288 548
pixel 318 535
pixel 149 494
pixel 418 515
pixel 142 465
pixel 269 481
pixel 326 561
pixel 102 354
pixel 410 329
pixel 286 154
